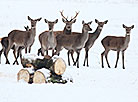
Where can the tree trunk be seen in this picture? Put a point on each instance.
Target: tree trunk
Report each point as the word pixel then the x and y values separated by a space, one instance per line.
pixel 56 67
pixel 23 74
pixel 39 78
pixel 59 66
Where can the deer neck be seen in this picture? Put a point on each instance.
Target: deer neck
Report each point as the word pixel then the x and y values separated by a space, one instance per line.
pixel 51 34
pixel 97 32
pixel 84 36
pixel 33 31
pixel 127 38
pixel 65 31
pixel 51 37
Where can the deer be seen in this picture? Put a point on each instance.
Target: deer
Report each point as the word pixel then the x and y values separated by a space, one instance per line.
pixel 116 43
pixel 22 38
pixel 74 42
pixel 47 39
pixel 4 43
pixel 92 38
pixel 67 29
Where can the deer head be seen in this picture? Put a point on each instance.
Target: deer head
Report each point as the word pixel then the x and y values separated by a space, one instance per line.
pixel 33 22
pixel 26 28
pixel 128 29
pixel 86 26
pixel 101 24
pixel 51 24
pixel 68 23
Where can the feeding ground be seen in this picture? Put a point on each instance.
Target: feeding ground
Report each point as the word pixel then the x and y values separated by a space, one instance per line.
pixel 90 84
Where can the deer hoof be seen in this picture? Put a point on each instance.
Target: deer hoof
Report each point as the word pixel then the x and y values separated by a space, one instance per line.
pixel 8 62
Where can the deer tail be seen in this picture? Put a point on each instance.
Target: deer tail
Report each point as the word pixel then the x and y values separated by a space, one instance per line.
pixel 0 40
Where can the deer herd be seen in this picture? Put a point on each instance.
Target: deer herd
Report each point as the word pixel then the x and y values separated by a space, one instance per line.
pixel 17 40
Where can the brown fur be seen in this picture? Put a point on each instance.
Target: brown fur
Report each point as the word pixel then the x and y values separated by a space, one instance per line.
pixel 74 42
pixel 116 44
pixel 22 38
pixel 92 38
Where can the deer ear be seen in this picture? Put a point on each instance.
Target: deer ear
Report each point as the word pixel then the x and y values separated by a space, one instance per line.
pixel 29 18
pixel 132 26
pixel 25 27
pixel 56 21
pixel 83 22
pixel 90 22
pixel 63 20
pixel 96 21
pixel 46 20
pixel 105 22
pixel 124 26
pixel 73 21
pixel 39 19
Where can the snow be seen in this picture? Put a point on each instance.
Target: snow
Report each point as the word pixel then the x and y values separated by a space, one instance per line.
pixel 90 84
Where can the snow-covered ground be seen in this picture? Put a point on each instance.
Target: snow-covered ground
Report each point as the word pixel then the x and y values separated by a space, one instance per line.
pixel 90 84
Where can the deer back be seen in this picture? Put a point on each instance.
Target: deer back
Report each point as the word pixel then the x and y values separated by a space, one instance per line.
pixel 20 37
pixel 113 42
pixel 117 43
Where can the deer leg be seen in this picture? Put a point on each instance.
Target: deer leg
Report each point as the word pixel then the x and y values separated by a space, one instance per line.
pixel 72 52
pixel 26 50
pixel 46 52
pixel 0 54
pixel 58 49
pixel 53 52
pixel 68 57
pixel 6 51
pixel 77 59
pixel 102 54
pixel 106 53
pixel 78 54
pixel 18 54
pixel 123 59
pixel 86 58
pixel 14 53
pixel 39 51
pixel 117 58
pixel 7 61
pixel 42 50
pixel 30 48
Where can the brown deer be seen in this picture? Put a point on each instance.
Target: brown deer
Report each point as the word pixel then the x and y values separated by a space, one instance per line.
pixel 47 38
pixel 67 29
pixel 74 42
pixel 4 43
pixel 116 44
pixel 92 38
pixel 22 38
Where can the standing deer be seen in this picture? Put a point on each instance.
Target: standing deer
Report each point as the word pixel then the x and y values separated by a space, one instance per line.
pixel 47 38
pixel 4 43
pixel 74 42
pixel 116 44
pixel 92 38
pixel 67 29
pixel 22 38
pixel 19 53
